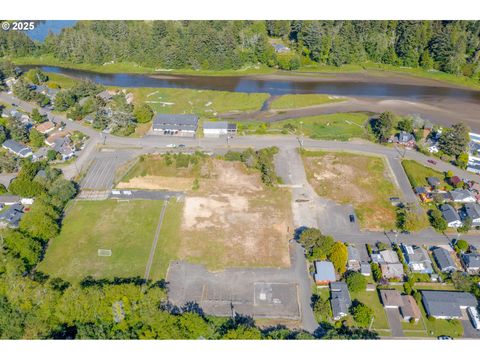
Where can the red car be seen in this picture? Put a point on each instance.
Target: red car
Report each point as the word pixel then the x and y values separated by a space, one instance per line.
pixel 432 161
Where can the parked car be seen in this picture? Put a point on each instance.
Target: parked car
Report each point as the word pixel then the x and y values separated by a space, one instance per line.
pixel 181 145
pixel 444 337
pixel 431 161
pixel 352 218
pixel 171 145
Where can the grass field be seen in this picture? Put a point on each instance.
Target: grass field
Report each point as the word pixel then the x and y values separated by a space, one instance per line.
pixel 372 300
pixel 338 126
pixel 126 228
pixel 417 173
pixel 360 180
pixel 65 82
pixel 204 103
pixel 303 100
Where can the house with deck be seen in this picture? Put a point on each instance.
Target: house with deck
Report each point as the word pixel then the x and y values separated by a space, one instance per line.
pixel 175 124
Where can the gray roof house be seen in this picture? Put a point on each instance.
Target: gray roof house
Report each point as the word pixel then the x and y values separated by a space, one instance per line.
pixel 105 95
pixel 175 124
pixel 450 215
pixel 433 181
pixel 340 299
pixel 389 256
pixel 324 273
pixel 405 137
pixel 354 259
pixel 62 146
pixel 280 48
pixel 417 259
pixel 365 269
pixel 471 262
pixel 447 304
pixel 473 212
pixel 11 217
pixel 17 148
pixel 9 199
pixel 444 260
pixel 462 195
pixel 392 270
pixel 420 190
pixel 218 128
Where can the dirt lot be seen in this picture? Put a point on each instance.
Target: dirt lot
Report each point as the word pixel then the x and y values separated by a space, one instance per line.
pixel 363 181
pixel 232 219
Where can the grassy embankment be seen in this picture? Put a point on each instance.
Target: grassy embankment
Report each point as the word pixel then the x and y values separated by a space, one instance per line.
pixel 285 102
pixel 339 126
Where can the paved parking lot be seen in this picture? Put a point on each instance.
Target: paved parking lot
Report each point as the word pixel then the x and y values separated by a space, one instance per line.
pixel 269 293
pixel 101 173
pixel 144 194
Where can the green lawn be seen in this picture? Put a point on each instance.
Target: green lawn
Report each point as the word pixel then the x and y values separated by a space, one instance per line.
pixel 417 173
pixel 127 228
pixel 204 103
pixel 63 81
pixel 438 327
pixel 303 100
pixel 338 126
pixel 372 300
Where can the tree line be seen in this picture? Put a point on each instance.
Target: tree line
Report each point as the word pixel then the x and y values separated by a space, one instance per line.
pixel 449 46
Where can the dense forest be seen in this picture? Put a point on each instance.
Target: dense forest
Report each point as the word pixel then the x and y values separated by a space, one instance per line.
pixel 449 46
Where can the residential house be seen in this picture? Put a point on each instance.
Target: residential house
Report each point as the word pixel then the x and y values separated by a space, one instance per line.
pixel 11 217
pixel 391 299
pixel 417 259
pixel 175 124
pixel 392 271
pixel 45 127
pixel 50 140
pixel 218 128
pixel 365 269
pixel 406 139
pixel 444 260
pixel 354 260
pixel 454 180
pixel 471 262
pixel 420 190
pixel 64 148
pixel 433 181
pixel 472 211
pixel 450 215
pixel 462 195
pixel 324 273
pixel 410 309
pixel 280 48
pixel 106 95
pixel 16 148
pixel 48 92
pixel 340 299
pixel 474 167
pixel 447 304
pixel 406 304
pixel 9 199
pixel 389 256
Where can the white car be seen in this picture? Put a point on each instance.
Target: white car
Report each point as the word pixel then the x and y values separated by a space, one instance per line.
pixel 127 192
pixel 171 146
pixel 115 192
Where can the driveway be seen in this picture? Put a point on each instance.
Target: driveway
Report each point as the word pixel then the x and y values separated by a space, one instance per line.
pixel 393 316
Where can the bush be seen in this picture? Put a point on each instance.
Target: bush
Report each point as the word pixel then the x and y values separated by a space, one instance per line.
pixel 356 282
pixel 362 314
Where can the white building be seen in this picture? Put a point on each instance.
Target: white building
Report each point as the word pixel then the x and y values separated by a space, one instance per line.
pixel 218 128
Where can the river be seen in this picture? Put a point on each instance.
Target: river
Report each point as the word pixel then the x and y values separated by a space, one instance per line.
pixel 341 84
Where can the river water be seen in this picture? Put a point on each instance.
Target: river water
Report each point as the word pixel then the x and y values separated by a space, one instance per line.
pixel 274 86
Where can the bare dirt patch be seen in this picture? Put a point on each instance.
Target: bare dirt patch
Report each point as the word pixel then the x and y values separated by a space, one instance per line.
pixel 151 182
pixel 232 219
pixel 360 180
